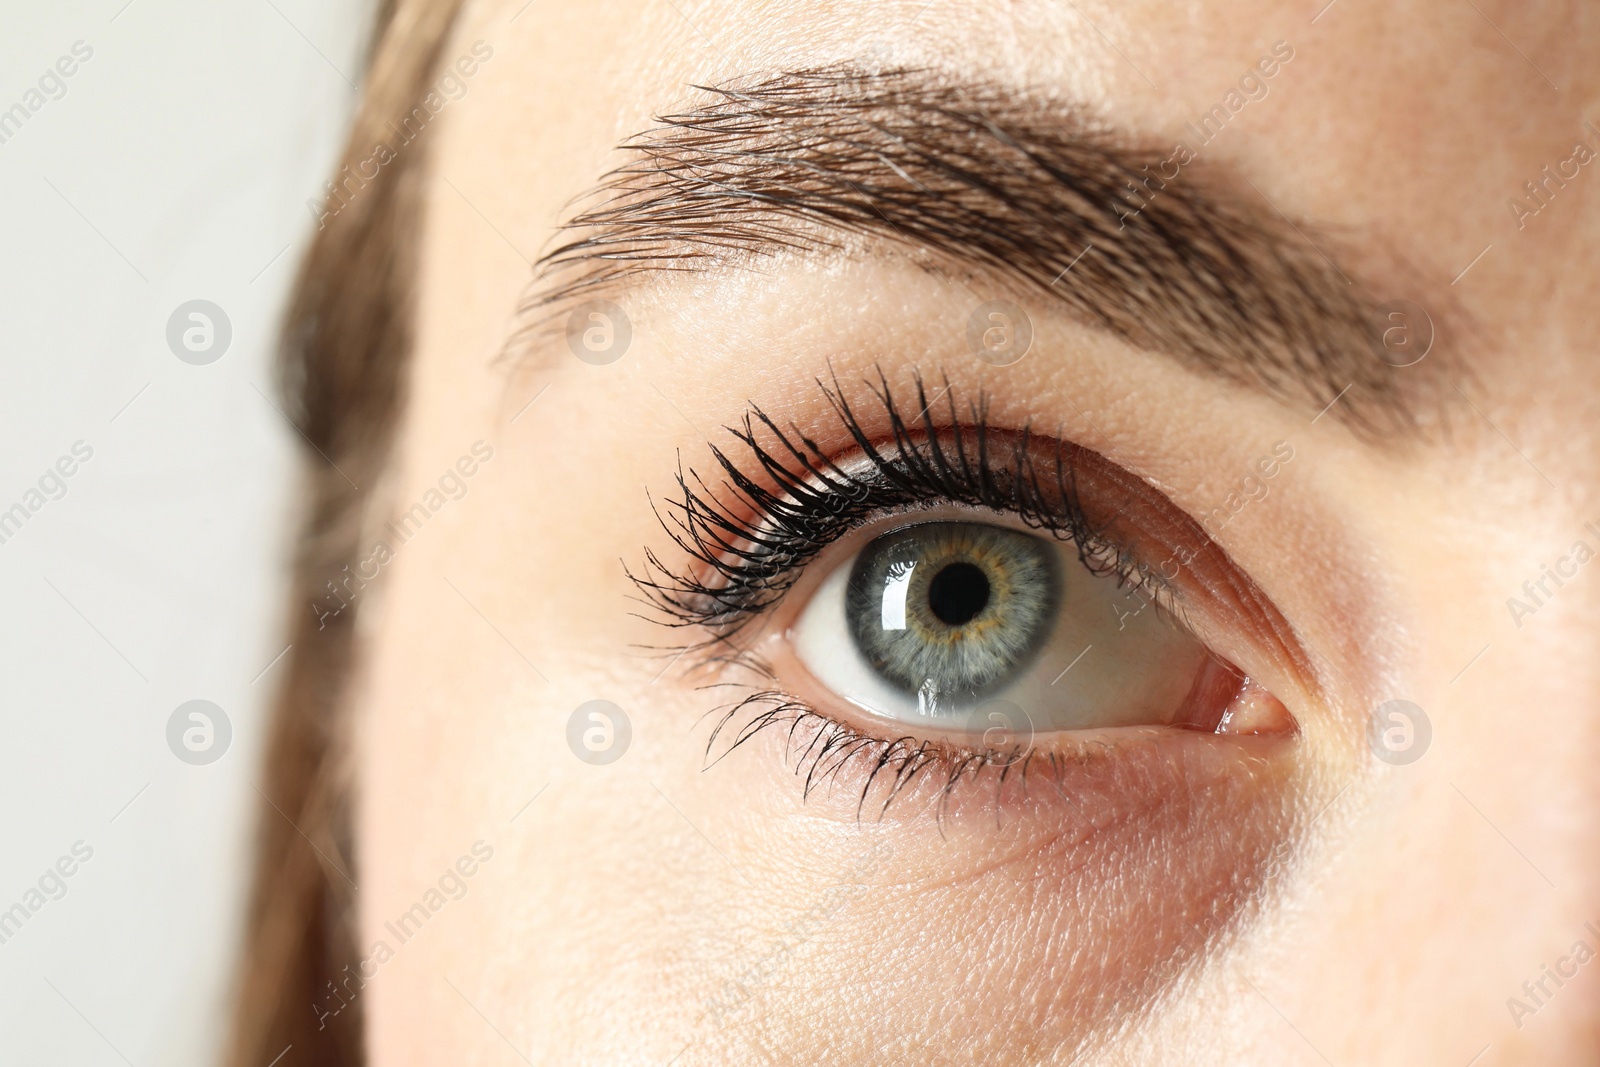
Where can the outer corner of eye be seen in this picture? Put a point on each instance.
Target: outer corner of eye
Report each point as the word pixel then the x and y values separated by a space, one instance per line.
pixel 931 625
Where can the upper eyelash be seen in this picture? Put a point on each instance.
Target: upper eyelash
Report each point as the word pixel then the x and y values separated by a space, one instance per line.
pixel 748 544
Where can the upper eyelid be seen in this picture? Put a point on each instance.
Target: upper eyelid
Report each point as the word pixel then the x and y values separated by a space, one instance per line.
pixel 1216 599
pixel 741 566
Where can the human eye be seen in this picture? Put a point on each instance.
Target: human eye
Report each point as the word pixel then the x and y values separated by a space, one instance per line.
pixel 939 592
pixel 959 625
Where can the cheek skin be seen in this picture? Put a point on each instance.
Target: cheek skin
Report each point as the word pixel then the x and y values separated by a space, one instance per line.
pixel 1099 882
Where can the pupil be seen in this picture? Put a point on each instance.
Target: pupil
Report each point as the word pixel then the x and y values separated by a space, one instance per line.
pixel 958 593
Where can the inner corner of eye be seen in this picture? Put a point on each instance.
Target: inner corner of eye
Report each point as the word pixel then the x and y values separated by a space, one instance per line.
pixel 956 626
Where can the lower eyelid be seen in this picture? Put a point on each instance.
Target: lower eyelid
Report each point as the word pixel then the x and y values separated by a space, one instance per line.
pixel 1125 784
pixel 837 751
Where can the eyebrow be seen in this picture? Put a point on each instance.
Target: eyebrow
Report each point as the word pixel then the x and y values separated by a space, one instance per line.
pixel 1124 235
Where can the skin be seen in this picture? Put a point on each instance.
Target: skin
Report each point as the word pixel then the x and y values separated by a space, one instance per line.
pixel 1298 901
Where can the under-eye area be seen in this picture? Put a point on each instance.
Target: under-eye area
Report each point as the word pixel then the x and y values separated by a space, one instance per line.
pixel 943 600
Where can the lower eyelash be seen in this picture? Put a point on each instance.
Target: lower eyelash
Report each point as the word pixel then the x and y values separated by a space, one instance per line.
pixel 822 747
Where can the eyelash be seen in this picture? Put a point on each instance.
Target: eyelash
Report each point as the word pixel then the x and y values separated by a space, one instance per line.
pixel 749 543
pixel 833 744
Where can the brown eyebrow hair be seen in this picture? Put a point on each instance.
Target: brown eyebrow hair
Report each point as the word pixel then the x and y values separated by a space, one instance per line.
pixel 986 179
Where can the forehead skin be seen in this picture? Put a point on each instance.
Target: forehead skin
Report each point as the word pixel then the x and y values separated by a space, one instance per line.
pixel 1398 133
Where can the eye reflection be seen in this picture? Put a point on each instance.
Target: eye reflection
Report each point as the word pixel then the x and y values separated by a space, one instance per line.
pixel 930 620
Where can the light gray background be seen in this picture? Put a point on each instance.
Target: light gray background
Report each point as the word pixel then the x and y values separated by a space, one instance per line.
pixel 176 167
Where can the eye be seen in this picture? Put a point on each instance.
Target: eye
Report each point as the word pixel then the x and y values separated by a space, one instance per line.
pixel 902 590
pixel 930 623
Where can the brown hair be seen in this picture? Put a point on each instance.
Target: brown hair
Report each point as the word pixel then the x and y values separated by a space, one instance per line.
pixel 345 343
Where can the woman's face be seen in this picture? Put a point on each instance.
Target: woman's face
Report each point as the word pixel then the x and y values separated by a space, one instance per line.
pixel 1241 710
